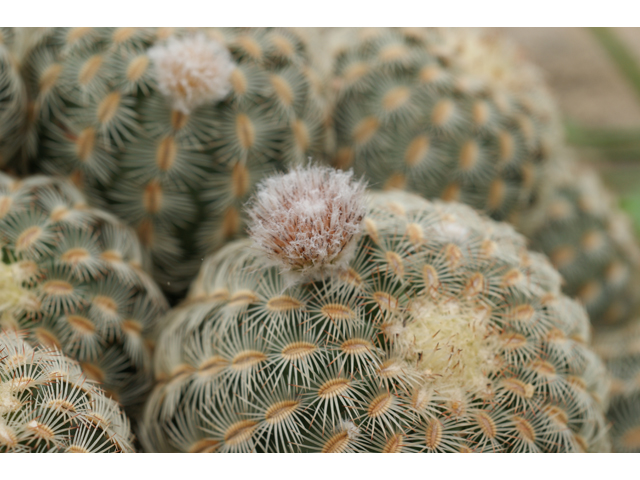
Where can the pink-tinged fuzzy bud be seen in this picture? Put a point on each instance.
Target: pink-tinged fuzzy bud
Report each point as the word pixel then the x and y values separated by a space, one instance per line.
pixel 192 71
pixel 307 221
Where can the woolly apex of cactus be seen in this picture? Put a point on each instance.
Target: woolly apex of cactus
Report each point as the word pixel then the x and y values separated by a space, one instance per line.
pixel 308 220
pixel 192 71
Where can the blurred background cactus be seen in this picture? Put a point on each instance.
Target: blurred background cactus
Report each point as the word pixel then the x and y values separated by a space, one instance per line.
pixel 620 348
pixel 589 239
pixel 595 75
pixel 13 99
pixel 47 404
pixel 73 278
pixel 411 111
pixel 440 333
pixel 170 130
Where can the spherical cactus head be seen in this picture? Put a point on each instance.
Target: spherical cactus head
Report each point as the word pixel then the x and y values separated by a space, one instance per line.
pixel 73 278
pixel 442 334
pixel 192 70
pixel 47 405
pixel 308 221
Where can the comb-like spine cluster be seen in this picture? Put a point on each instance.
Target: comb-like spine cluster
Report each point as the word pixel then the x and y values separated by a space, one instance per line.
pixel 13 100
pixel 442 333
pixel 47 404
pixel 171 131
pixel 74 278
pixel 410 112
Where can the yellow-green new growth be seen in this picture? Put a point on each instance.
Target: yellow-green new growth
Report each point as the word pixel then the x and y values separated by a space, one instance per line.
pixel 441 333
pixel 12 294
pixel 73 278
pixel 47 405
pixel 172 130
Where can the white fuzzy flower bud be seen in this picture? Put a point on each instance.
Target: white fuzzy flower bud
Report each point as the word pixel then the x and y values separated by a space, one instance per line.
pixel 192 71
pixel 307 221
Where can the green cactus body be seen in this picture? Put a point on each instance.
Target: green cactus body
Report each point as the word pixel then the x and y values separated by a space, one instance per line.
pixel 619 347
pixel 442 334
pixel 173 156
pixel 72 277
pixel 47 404
pixel 409 112
pixel 591 242
pixel 13 100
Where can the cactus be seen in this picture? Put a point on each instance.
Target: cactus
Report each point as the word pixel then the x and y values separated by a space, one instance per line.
pixel 13 100
pixel 575 224
pixel 47 405
pixel 171 131
pixel 619 347
pixel 72 278
pixel 410 112
pixel 433 330
pixel 591 242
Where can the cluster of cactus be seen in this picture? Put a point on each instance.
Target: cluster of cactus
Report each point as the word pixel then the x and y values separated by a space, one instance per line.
pixel 13 100
pixel 73 278
pixel 407 115
pixel 588 240
pixel 170 130
pixel 47 405
pixel 438 332
pixel 391 323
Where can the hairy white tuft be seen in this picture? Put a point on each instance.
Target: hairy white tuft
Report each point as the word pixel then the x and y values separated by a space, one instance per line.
pixel 308 221
pixel 192 71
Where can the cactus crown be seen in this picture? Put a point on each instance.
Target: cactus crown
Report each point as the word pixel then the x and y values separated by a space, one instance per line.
pixel 47 405
pixel 441 334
